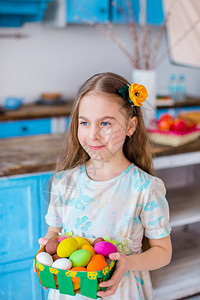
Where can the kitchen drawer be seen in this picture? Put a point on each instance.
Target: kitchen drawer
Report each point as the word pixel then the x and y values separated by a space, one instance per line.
pixel 25 128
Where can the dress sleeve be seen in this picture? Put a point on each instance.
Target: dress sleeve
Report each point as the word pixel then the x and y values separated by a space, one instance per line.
pixel 54 212
pixel 155 212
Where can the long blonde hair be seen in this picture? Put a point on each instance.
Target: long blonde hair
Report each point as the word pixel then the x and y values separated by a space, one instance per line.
pixel 136 149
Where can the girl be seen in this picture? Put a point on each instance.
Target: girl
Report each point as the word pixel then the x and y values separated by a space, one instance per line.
pixel 104 186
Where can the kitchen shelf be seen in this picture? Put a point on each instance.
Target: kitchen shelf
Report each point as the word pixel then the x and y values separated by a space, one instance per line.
pixel 184 205
pixel 181 277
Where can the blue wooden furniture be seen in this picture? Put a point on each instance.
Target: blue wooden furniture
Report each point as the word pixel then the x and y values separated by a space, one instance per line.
pixel 101 11
pixel 14 13
pixel 23 202
pixel 120 11
pixel 25 127
pixel 87 10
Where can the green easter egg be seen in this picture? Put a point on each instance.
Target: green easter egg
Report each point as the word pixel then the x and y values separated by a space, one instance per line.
pixel 80 258
pixel 67 247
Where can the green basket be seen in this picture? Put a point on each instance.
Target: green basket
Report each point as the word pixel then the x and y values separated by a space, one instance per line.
pixel 61 280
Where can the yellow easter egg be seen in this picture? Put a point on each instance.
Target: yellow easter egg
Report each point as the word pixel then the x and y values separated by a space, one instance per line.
pixel 67 247
pixel 81 241
pixel 90 249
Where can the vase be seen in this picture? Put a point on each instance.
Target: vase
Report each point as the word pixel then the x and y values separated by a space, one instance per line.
pixel 148 79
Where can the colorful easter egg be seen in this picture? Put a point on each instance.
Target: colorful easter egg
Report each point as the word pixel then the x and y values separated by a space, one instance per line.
pixel 80 258
pixel 51 246
pixel 90 249
pixel 44 258
pixel 62 263
pixel 99 256
pixel 76 286
pixel 55 257
pixel 67 247
pixel 81 241
pixel 77 269
pixel 97 240
pixel 105 248
pixel 97 264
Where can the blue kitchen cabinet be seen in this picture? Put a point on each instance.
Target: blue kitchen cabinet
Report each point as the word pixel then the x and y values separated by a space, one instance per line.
pixel 67 123
pixel 23 202
pixel 21 8
pixel 19 218
pixel 87 10
pixel 120 12
pixel 25 128
pixel 45 193
pixel 14 13
pixel 155 12
pixel 19 282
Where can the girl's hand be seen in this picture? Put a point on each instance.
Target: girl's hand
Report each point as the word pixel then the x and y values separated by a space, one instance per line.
pixel 42 242
pixel 121 269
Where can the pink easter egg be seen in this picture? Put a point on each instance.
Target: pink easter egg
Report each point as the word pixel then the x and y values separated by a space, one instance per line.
pixel 62 238
pixel 105 248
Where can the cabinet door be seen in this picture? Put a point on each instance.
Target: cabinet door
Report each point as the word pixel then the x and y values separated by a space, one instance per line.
pixel 25 128
pixel 67 123
pixel 44 192
pixel 18 218
pixel 155 14
pixel 19 282
pixel 90 10
pixel 21 8
pixel 120 11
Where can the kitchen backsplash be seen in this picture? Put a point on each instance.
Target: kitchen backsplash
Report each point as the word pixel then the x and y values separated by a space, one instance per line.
pixel 59 60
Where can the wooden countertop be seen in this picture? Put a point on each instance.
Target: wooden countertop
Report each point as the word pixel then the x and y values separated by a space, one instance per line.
pixel 36 111
pixel 39 153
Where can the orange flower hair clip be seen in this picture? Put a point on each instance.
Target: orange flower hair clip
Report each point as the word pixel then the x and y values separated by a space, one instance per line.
pixel 135 94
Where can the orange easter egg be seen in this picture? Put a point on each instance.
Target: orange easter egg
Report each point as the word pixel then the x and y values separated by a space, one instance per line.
pixel 97 264
pixel 89 248
pixel 77 269
pixel 97 256
pixel 76 286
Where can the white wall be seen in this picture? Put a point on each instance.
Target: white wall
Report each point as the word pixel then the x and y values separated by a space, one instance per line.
pixel 60 60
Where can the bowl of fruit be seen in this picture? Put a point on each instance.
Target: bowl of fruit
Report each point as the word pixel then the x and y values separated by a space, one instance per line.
pixel 173 131
pixel 75 264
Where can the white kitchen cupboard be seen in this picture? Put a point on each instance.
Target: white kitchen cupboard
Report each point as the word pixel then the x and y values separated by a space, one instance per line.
pixel 181 278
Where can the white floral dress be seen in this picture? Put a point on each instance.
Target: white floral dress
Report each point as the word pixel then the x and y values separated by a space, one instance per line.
pixel 124 208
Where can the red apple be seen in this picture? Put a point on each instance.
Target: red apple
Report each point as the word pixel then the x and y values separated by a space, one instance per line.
pixel 165 122
pixel 179 125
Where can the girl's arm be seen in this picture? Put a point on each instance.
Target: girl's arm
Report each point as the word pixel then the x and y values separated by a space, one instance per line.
pixel 52 231
pixel 157 256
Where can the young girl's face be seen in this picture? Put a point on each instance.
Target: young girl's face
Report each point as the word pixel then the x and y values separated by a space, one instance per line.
pixel 103 126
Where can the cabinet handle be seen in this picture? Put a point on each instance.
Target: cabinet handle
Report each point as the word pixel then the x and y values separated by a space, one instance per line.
pixel 102 10
pixel 24 128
